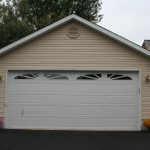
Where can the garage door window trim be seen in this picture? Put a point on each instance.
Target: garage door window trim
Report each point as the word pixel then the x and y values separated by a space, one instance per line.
pixel 56 76
pixel 90 77
pixel 118 77
pixel 26 76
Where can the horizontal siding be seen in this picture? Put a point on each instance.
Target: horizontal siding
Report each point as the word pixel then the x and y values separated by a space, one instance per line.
pixel 90 51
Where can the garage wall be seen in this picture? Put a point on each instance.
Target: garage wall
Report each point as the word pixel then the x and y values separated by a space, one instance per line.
pixel 90 51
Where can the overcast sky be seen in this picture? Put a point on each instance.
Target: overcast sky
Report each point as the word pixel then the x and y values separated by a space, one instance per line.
pixel 128 18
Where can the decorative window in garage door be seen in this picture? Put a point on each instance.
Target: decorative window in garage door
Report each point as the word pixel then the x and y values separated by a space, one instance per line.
pixel 56 76
pixel 90 77
pixel 27 76
pixel 118 77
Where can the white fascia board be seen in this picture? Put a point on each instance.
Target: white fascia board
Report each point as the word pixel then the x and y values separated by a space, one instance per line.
pixel 82 21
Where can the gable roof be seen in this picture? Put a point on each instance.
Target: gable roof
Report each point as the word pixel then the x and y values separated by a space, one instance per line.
pixel 82 21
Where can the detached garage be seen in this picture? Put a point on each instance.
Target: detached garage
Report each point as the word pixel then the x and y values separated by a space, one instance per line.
pixel 74 75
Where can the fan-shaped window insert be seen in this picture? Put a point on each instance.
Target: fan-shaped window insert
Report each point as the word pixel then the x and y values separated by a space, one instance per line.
pixel 118 77
pixel 90 77
pixel 56 76
pixel 27 76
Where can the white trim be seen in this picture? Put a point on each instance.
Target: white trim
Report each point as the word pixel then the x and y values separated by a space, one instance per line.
pixel 71 129
pixel 140 101
pixel 5 100
pixel 42 68
pixel 82 21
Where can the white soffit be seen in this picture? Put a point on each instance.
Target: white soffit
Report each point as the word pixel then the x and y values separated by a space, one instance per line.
pixel 82 21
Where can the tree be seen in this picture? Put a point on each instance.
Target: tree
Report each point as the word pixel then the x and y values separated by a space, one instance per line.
pixel 12 28
pixel 19 18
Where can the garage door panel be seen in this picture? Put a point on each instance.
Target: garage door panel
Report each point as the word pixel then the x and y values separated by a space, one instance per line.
pixel 25 122
pixel 89 99
pixel 56 98
pixel 118 117
pixel 22 110
pixel 24 81
pixel 57 123
pixel 57 116
pixel 120 82
pixel 128 110
pixel 55 110
pixel 24 88
pixel 41 123
pixel 123 123
pixel 26 116
pixel 123 99
pixel 88 88
pixel 120 88
pixel 25 99
pixel 89 110
pixel 91 123
pixel 56 87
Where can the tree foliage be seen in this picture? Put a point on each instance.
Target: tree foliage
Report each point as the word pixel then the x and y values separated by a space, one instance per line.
pixel 19 18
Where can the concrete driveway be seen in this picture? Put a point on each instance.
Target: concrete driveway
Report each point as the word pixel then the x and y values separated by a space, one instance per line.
pixel 73 140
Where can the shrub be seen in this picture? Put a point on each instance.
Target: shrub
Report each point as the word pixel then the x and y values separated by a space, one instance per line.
pixel 147 123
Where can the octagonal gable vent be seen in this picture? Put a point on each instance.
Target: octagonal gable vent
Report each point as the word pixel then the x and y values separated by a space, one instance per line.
pixel 73 32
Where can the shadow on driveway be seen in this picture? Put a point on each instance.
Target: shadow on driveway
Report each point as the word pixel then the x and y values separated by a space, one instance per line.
pixel 73 140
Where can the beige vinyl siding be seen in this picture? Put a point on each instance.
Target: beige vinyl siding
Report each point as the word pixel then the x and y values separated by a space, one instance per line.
pixel 90 51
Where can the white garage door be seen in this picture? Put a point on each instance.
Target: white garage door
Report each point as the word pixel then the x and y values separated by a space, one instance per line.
pixel 72 100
